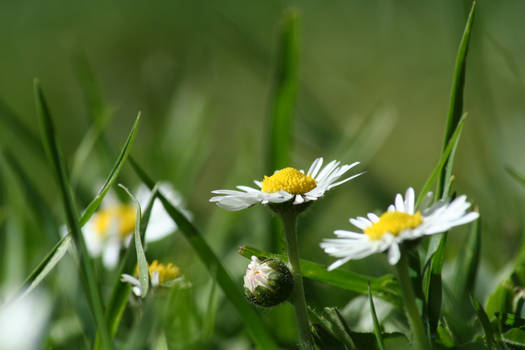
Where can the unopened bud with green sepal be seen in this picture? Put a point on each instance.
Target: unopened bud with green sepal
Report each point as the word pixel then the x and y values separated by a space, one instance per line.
pixel 267 282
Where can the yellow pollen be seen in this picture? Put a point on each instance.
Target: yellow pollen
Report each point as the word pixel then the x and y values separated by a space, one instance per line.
pixel 393 222
pixel 290 180
pixel 166 272
pixel 124 215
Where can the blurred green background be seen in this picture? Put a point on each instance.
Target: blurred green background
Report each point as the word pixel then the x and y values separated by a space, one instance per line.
pixel 374 87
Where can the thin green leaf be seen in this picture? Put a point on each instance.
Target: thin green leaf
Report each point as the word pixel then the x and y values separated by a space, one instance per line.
pixel 332 320
pixel 45 266
pixel 51 145
pixel 515 175
pixel 120 292
pixel 10 118
pixel 377 327
pixel 485 323
pixel 112 177
pixel 93 205
pixel 211 312
pixel 453 143
pixel 281 121
pixel 456 102
pixel 141 257
pixel 34 198
pixel 280 136
pixel 432 284
pixel 385 287
pixel 252 321
pixel 468 262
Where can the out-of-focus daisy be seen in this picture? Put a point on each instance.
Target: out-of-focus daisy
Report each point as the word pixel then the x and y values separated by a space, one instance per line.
pixel 23 321
pixel 160 276
pixel 111 228
pixel 399 223
pixel 287 184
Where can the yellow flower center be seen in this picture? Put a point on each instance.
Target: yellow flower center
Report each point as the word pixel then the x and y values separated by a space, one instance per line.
pixel 124 215
pixel 166 272
pixel 290 180
pixel 393 222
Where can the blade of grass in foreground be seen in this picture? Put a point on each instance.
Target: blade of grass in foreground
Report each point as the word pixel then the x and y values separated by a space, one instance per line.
pixel 93 206
pixel 377 327
pixel 59 167
pixel 120 293
pixel 252 321
pixel 385 287
pixel 141 258
pixel 280 136
pixel 433 287
pixel 456 103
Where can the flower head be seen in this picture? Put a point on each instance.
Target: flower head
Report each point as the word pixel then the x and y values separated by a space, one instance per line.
pixel 112 227
pixel 285 185
pixel 160 276
pixel 267 282
pixel 399 223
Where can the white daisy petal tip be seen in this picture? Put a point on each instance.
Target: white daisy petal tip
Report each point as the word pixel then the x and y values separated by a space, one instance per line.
pixel 399 223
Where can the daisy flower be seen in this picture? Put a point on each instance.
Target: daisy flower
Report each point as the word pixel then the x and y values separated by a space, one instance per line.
pixel 160 276
pixel 399 223
pixel 112 227
pixel 285 185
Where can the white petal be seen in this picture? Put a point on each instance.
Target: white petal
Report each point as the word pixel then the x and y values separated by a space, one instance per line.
pixel 298 199
pixel 400 205
pixel 393 254
pixel 373 217
pixel 315 167
pixel 409 201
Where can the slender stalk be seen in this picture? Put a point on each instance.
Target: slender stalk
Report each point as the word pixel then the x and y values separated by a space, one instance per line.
pixel 289 219
pixel 409 298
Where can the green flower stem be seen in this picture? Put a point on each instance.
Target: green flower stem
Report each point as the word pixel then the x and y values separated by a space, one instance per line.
pixel 289 219
pixel 409 298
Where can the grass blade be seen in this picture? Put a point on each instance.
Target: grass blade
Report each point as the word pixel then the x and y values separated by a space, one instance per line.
pixel 141 257
pixel 252 321
pixel 112 177
pixel 469 261
pixel 515 175
pixel 456 102
pixel 377 327
pixel 10 118
pixel 120 292
pixel 452 144
pixel 45 266
pixel 280 136
pixel 385 287
pixel 51 145
pixel 485 324
pixel 281 121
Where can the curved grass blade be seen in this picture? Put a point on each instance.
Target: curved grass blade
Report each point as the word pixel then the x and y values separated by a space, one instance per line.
pixel 112 177
pixel 452 144
pixel 141 257
pixel 456 103
pixel 377 327
pixel 385 287
pixel 252 321
pixel 45 266
pixel 51 145
pixel 93 205
pixel 120 292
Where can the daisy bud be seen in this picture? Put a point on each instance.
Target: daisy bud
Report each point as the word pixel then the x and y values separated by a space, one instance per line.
pixel 267 282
